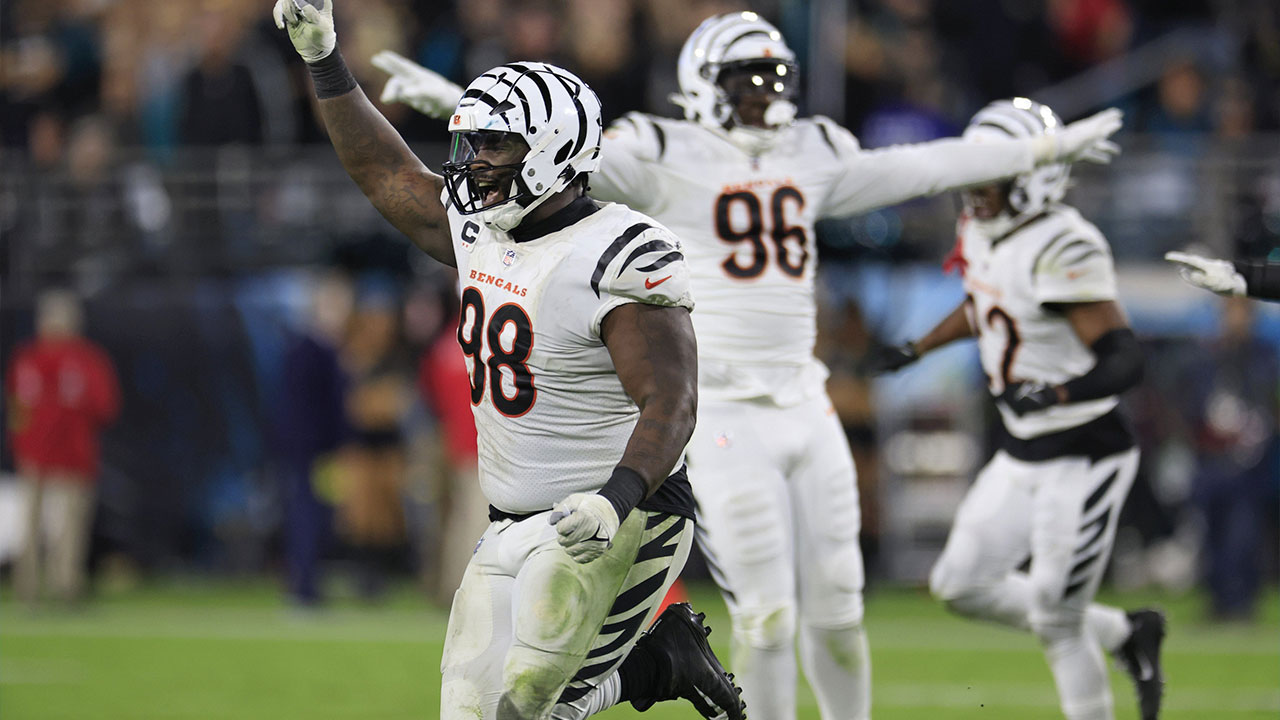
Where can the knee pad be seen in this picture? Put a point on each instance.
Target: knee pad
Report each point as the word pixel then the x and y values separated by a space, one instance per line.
pixel 532 680
pixel 947 583
pixel 766 629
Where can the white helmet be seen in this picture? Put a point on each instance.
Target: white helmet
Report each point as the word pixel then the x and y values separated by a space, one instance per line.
pixel 556 114
pixel 1030 192
pixel 737 42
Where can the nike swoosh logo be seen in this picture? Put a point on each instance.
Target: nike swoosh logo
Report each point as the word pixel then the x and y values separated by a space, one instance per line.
pixel 1145 671
pixel 649 284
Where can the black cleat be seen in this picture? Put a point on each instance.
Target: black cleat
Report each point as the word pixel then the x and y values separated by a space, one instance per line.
pixel 1140 657
pixel 680 637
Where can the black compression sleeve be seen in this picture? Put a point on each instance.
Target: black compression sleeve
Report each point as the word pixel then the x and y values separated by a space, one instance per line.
pixel 624 490
pixel 331 76
pixel 1118 368
pixel 1261 278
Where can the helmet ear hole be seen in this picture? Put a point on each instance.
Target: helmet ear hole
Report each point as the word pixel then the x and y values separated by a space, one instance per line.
pixel 563 153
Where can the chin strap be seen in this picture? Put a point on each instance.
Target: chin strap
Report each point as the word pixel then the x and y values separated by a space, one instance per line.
pixel 778 116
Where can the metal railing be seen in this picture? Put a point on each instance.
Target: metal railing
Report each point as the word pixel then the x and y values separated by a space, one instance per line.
pixel 237 209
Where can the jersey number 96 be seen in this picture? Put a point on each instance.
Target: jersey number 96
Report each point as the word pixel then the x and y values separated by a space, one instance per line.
pixel 790 243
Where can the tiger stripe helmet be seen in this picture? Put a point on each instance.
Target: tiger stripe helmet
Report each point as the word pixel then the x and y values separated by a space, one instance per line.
pixel 1021 118
pixel 556 113
pixel 721 41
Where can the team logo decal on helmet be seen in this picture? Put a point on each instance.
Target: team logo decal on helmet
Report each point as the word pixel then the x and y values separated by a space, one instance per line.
pixel 554 113
pixel 731 57
pixel 1019 117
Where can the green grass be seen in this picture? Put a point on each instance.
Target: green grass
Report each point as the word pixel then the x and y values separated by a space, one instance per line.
pixel 210 652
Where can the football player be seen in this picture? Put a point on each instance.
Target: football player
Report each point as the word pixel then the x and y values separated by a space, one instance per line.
pixel 742 181
pixel 575 323
pixel 1254 278
pixel 1057 351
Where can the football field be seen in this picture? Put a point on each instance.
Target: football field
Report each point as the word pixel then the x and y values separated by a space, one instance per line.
pixel 214 652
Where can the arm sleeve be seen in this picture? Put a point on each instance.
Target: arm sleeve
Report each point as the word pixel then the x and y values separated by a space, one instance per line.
pixel 632 145
pixel 650 268
pixel 1074 268
pixel 1118 367
pixel 1261 278
pixel 878 178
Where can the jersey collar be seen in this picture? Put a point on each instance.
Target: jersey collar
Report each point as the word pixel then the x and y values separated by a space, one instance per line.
pixel 581 207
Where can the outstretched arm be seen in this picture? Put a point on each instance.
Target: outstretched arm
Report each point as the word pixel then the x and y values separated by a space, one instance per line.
pixel 1255 278
pixel 954 326
pixel 371 151
pixel 877 178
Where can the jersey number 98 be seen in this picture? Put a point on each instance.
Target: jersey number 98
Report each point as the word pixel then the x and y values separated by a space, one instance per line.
pixel 475 331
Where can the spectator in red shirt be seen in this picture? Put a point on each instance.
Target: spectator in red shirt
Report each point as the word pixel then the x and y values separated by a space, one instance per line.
pixel 62 391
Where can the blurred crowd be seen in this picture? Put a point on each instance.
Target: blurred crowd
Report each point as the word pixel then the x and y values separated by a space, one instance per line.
pixel 213 72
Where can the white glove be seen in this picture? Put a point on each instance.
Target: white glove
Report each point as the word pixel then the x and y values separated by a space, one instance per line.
pixel 310 28
pixel 586 523
pixel 1083 140
pixel 1220 276
pixel 427 92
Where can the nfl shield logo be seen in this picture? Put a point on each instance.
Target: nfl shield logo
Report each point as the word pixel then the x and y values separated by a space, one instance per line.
pixel 509 257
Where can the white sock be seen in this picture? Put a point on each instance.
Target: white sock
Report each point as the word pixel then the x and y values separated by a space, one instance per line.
pixel 1081 676
pixel 767 677
pixel 1108 625
pixel 837 663
pixel 602 698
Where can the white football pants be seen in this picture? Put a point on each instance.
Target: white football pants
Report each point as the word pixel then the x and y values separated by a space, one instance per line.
pixel 778 520
pixel 533 632
pixel 1062 513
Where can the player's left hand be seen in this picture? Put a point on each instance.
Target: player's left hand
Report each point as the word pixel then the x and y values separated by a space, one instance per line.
pixel 310 28
pixel 586 523
pixel 1026 397
pixel 1087 139
pixel 427 92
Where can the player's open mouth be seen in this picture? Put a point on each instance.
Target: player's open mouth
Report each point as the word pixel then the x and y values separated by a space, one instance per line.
pixel 490 192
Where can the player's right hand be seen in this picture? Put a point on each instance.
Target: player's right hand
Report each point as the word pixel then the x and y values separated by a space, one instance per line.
pixel 586 523
pixel 427 92
pixel 888 358
pixel 310 28
pixel 1219 276
pixel 1087 139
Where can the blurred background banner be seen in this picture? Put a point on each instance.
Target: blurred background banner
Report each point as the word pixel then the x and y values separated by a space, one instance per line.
pixel 278 345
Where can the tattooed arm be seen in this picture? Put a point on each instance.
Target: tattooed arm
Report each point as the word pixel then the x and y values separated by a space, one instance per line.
pixel 388 173
pixel 656 357
pixel 373 153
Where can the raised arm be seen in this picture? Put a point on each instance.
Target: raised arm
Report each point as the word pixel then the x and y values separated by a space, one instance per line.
pixel 397 183
pixel 877 178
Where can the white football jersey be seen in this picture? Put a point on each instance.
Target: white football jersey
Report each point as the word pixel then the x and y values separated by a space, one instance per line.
pixel 1013 281
pixel 747 223
pixel 551 416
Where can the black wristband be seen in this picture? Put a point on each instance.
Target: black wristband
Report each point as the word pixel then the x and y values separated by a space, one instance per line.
pixel 1261 278
pixel 624 491
pixel 331 77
